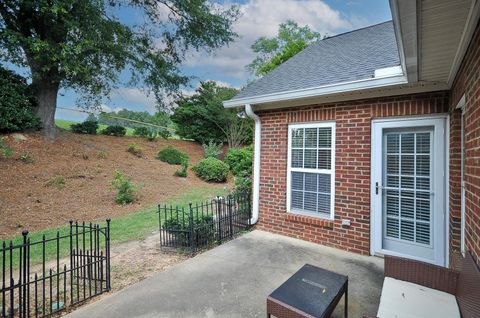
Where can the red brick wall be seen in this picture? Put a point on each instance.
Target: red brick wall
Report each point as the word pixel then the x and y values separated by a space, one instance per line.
pixel 455 181
pixel 352 191
pixel 468 82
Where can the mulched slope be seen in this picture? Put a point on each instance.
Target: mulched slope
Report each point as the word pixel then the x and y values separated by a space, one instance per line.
pixel 26 201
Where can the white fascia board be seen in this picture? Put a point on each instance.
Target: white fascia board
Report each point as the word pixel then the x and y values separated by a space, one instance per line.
pixel 405 23
pixel 318 91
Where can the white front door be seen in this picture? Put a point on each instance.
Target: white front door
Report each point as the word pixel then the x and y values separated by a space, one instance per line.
pixel 408 188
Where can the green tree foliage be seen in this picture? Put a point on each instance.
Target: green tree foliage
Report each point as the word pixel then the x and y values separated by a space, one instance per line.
pixel 203 118
pixel 113 118
pixel 16 103
pixel 83 45
pixel 271 52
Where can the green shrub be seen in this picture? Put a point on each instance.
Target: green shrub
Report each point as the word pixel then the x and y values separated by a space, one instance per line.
pixel 26 158
pixel 87 127
pixel 126 190
pixel 17 103
pixel 211 169
pixel 183 171
pixel 179 228
pixel 141 131
pixel 152 135
pixel 240 161
pixel 102 154
pixel 212 150
pixel 171 155
pixel 243 183
pixel 135 150
pixel 117 131
pixel 164 133
pixel 5 151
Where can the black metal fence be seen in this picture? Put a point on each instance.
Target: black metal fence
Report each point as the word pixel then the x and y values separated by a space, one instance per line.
pixel 202 225
pixel 45 276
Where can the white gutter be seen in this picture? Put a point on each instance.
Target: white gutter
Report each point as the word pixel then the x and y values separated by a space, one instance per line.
pixel 256 163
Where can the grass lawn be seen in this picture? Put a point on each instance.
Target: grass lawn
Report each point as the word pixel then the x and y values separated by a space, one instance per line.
pixel 65 124
pixel 129 227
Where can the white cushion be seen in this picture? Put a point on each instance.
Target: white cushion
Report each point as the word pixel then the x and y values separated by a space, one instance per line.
pixel 402 299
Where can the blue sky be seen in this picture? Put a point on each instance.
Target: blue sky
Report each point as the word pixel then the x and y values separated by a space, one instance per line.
pixel 259 18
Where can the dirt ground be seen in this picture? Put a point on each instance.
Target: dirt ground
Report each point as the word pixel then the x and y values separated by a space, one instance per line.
pixel 134 261
pixel 31 196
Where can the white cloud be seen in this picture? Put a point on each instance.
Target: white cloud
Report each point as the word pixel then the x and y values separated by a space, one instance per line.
pixel 136 96
pixel 261 18
pixel 220 83
pixel 108 109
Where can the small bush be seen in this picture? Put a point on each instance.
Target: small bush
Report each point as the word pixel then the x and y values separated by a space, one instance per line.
pixel 152 135
pixel 240 161
pixel 203 229
pixel 117 131
pixel 242 183
pixel 211 169
pixel 136 150
pixel 57 181
pixel 141 131
pixel 172 156
pixel 87 127
pixel 212 150
pixel 183 171
pixel 126 190
pixel 5 151
pixel 26 158
pixel 102 154
pixel 164 133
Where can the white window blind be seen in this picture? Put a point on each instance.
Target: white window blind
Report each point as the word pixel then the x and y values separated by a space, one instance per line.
pixel 311 170
pixel 408 184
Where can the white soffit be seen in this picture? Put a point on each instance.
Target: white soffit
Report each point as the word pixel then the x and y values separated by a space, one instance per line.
pixel 433 36
pixel 442 24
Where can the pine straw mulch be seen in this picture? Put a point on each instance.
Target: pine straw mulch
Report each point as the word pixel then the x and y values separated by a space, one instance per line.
pixel 32 196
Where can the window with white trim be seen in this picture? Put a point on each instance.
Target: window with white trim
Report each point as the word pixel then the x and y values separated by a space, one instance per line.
pixel 311 169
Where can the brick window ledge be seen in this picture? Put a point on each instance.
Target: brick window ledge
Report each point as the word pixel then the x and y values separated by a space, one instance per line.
pixel 308 220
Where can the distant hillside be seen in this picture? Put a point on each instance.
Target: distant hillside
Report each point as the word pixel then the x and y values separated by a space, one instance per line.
pixel 65 124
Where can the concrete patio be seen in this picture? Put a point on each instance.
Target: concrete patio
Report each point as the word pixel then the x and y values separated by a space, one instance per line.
pixel 234 279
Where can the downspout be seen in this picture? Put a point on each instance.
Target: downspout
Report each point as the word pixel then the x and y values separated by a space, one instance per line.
pixel 256 163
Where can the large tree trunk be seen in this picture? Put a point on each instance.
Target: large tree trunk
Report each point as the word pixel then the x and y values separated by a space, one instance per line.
pixel 46 92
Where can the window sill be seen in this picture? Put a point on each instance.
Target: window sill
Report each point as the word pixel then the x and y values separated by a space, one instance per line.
pixel 317 221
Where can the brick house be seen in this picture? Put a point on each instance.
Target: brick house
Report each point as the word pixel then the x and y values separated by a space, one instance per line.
pixel 369 141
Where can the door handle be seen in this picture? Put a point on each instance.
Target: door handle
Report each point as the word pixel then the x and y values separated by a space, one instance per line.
pixel 377 187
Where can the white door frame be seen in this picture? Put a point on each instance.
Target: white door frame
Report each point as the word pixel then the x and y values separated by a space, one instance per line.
pixel 376 227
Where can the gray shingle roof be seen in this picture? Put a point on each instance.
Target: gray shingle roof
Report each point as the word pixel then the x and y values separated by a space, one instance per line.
pixel 346 57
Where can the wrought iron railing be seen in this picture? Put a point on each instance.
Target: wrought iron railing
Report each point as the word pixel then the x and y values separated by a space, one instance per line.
pixel 45 276
pixel 201 225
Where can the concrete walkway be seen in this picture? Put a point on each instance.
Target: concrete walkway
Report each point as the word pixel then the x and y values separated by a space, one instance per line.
pixel 234 279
